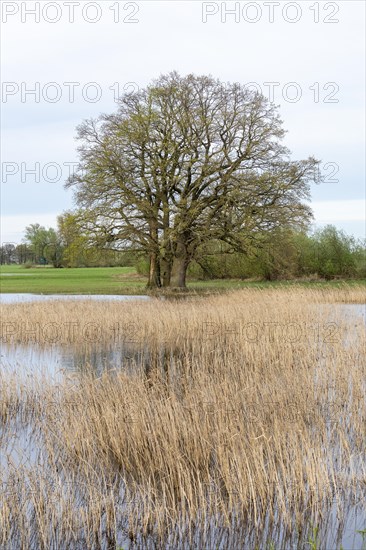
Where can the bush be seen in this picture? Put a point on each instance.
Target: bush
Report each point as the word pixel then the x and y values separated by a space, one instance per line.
pixel 336 253
pixel 285 254
pixel 142 266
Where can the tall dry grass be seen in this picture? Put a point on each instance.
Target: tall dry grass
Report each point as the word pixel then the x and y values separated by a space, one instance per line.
pixel 236 421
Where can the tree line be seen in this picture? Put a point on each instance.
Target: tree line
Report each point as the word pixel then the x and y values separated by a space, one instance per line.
pixel 326 253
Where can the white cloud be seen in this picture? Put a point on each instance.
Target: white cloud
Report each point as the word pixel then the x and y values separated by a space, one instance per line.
pixel 12 227
pixel 336 211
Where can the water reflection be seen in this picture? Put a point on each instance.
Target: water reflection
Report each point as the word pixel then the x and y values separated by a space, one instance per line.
pixel 337 526
pixel 32 362
pixel 55 359
pixel 347 311
pixel 26 298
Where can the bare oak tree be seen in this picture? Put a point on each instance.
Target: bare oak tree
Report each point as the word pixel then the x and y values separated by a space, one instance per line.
pixel 185 160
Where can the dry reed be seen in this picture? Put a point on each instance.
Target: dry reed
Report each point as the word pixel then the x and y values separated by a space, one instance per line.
pixel 237 422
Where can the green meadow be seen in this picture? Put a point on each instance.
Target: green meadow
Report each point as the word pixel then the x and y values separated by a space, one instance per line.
pixel 121 280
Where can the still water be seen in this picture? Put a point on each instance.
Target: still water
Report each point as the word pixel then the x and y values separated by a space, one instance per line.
pixel 55 361
pixel 24 297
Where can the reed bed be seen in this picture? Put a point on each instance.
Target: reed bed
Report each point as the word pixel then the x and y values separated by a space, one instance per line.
pixel 234 421
pixel 162 320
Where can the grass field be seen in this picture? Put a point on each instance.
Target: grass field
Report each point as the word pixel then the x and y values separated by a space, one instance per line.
pixel 118 280
pixel 93 280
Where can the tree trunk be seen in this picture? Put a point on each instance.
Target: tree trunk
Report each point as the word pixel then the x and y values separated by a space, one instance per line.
pixel 166 272
pixel 154 272
pixel 166 262
pixel 181 262
pixel 179 279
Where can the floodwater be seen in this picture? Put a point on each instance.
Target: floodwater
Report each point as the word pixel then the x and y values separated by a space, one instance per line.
pixel 24 297
pixel 55 361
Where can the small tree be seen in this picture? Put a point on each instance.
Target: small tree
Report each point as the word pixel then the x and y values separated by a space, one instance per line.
pixel 8 253
pixel 335 253
pixel 45 244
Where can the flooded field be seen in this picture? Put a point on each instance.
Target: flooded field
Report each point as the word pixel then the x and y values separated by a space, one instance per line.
pixel 24 297
pixel 235 421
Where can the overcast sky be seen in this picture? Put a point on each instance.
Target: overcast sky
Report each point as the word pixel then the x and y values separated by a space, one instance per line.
pixel 66 61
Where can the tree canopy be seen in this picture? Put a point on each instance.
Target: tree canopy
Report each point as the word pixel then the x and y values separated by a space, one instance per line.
pixel 44 243
pixel 183 161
